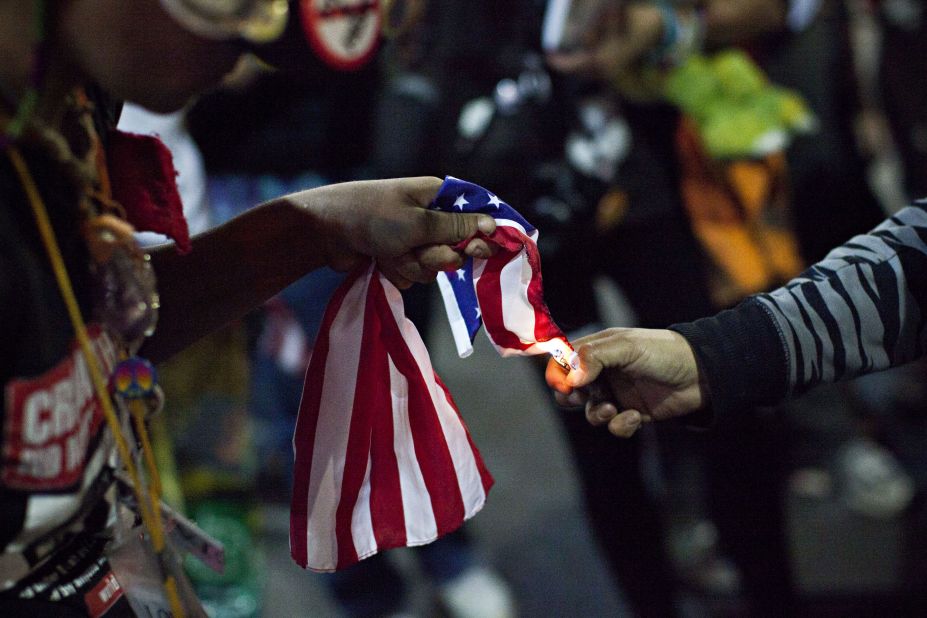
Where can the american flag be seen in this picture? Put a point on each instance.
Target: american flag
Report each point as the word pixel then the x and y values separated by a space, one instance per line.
pixel 504 291
pixel 383 457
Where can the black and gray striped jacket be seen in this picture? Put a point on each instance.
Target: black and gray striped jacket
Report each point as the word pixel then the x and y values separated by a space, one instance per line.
pixel 859 310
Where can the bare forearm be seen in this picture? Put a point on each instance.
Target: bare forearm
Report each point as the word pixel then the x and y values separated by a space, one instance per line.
pixel 231 270
pixel 237 266
pixel 734 21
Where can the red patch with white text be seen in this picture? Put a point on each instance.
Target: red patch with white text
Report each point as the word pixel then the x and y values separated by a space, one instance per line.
pixel 103 596
pixel 52 419
pixel 344 33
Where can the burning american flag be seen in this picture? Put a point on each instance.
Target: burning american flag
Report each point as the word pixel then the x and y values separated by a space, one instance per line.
pixel 383 457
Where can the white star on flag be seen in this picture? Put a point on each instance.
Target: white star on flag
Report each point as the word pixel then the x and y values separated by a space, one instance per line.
pixel 479 313
pixel 461 275
pixel 461 202
pixel 495 201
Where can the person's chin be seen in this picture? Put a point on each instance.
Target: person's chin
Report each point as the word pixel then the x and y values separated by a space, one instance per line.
pixel 161 105
pixel 163 100
pixel 168 93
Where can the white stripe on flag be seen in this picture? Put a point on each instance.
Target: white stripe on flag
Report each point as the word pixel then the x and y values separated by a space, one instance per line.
pixel 416 501
pixel 469 480
pixel 512 223
pixel 517 312
pixel 458 325
pixel 365 544
pixel 333 426
pixel 468 474
pixel 479 265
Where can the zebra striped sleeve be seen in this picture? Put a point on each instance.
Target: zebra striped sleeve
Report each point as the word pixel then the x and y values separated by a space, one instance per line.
pixel 858 310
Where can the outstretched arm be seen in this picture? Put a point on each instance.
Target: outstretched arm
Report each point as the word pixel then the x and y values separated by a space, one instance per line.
pixel 630 375
pixel 237 266
pixel 859 310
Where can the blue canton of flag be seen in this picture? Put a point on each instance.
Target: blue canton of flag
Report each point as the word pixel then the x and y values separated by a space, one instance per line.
pixel 467 318
pixel 458 195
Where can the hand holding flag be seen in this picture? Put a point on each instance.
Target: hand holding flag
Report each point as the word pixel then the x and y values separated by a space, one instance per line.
pixel 383 457
pixel 502 291
pixel 389 220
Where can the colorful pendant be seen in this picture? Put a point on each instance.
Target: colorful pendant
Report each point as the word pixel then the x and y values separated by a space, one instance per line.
pixel 134 378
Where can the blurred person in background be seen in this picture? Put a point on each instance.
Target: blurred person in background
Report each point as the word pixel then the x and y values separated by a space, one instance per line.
pixel 901 62
pixel 463 76
pixel 892 64
pixel 659 198
pixel 828 197
pixel 56 66
pixel 501 119
pixel 655 226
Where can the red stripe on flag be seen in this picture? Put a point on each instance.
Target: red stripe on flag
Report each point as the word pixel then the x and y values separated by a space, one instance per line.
pixel 371 395
pixel 485 476
pixel 386 512
pixel 386 509
pixel 431 450
pixel 545 328
pixel 506 236
pixel 306 422
pixel 489 293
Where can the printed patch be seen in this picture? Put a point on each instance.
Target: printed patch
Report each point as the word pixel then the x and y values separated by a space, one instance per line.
pixel 52 419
